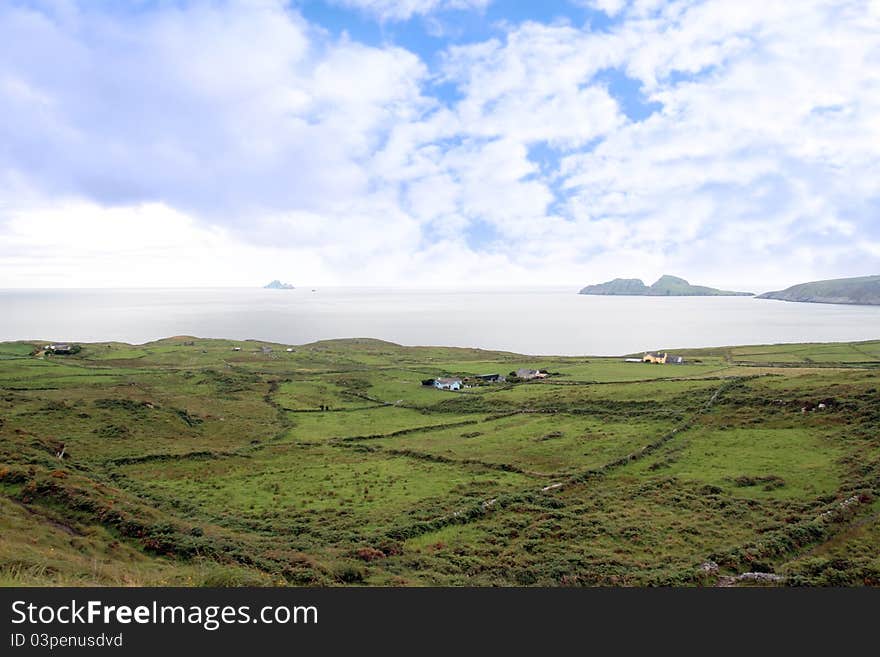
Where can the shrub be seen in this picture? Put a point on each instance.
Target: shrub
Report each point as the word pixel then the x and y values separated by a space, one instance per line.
pixel 350 574
pixel 369 554
pixel 110 431
pixel 230 576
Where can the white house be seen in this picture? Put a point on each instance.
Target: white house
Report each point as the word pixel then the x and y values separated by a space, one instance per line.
pixel 447 384
pixel 527 373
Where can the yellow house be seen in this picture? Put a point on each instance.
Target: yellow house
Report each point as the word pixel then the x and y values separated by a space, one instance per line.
pixel 663 359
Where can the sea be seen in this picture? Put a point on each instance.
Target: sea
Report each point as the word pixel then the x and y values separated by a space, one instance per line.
pixel 539 321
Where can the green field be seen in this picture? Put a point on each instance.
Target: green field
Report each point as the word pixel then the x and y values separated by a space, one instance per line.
pixel 185 462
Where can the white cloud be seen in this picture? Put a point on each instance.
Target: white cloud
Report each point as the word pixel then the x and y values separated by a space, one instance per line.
pixel 610 7
pixel 78 244
pixel 401 10
pixel 238 128
pixel 221 109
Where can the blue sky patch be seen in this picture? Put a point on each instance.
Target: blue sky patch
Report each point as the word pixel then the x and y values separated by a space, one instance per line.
pixel 428 36
pixel 481 234
pixel 627 92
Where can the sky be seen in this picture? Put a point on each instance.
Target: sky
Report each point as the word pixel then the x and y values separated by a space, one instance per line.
pixel 431 143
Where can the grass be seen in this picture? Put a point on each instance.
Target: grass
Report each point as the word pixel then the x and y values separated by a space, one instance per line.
pixel 534 443
pixel 306 427
pixel 184 462
pixel 859 352
pixel 755 463
pixel 603 370
pixel 318 489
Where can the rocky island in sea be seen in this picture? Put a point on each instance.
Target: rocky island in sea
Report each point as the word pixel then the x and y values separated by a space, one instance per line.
pixel 278 285
pixel 666 286
pixel 863 290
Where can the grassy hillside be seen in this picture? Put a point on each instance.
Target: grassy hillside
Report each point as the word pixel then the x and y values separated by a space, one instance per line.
pixel 864 290
pixel 665 286
pixel 184 462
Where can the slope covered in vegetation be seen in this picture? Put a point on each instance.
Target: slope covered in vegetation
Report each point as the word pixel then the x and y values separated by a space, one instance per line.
pixel 864 290
pixel 185 462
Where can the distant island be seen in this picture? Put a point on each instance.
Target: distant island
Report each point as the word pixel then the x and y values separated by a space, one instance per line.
pixel 666 286
pixel 278 285
pixel 864 290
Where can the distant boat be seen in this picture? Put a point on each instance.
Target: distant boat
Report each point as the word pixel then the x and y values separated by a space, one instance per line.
pixel 278 285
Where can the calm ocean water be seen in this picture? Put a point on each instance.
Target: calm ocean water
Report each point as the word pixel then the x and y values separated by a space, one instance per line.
pixel 539 321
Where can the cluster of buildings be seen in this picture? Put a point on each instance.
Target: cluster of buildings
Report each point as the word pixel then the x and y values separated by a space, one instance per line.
pixel 457 383
pixel 61 349
pixel 267 350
